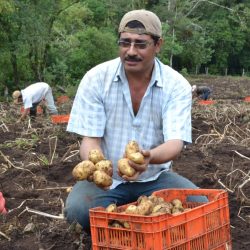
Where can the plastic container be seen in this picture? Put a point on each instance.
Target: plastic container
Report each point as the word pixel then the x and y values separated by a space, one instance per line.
pixel 205 226
pixel 2 204
pixel 60 118
pixel 247 99
pixel 62 99
pixel 206 102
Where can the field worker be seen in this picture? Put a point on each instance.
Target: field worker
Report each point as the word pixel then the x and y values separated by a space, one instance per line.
pixel 32 96
pixel 133 97
pixel 202 92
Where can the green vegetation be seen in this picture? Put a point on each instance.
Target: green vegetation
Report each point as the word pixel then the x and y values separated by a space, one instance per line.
pixel 58 41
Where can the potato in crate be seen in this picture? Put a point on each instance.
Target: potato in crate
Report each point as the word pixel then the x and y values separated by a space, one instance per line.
pixel 198 226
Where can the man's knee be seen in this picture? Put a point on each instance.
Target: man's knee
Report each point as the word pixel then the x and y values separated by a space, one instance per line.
pixel 77 212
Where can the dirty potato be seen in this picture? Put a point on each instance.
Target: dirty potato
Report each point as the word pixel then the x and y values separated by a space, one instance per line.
pixel 95 156
pixel 131 147
pixel 145 207
pixel 136 157
pixel 131 209
pixel 83 170
pixel 111 208
pixel 106 166
pixel 177 203
pixel 102 179
pixel 125 168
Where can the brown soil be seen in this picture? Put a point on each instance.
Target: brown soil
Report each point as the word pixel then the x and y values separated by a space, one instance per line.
pixel 36 163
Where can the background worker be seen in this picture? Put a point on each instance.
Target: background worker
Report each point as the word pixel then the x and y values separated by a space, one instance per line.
pixel 31 96
pixel 133 97
pixel 202 92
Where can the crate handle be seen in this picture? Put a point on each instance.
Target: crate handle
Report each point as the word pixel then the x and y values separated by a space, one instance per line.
pixel 211 194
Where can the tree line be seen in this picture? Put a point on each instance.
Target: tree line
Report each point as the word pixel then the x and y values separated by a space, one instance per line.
pixel 58 41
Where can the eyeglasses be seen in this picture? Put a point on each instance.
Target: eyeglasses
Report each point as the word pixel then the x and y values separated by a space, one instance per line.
pixel 137 45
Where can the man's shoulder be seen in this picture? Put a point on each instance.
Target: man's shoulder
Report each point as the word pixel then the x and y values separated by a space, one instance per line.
pixel 168 74
pixel 108 66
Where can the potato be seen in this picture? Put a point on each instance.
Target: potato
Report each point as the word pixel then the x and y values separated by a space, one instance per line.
pixel 136 157
pixel 102 179
pixel 131 209
pixel 163 208
pixel 156 200
pixel 116 224
pixel 142 198
pixel 176 210
pixel 111 208
pixel 83 169
pixel 125 168
pixel 106 166
pixel 95 156
pixel 69 189
pixel 145 207
pixel 131 147
pixel 126 224
pixel 177 203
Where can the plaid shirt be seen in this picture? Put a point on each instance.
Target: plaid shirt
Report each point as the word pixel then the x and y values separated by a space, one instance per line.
pixel 103 108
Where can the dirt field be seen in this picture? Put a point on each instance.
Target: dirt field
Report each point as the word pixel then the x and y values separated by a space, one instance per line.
pixel 36 161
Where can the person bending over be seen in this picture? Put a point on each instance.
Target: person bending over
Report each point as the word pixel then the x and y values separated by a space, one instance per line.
pixel 31 96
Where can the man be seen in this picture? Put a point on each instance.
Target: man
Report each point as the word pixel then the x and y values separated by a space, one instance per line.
pixel 202 92
pixel 133 97
pixel 32 96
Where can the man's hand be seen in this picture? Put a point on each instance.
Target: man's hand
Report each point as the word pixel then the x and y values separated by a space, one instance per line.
pixel 140 168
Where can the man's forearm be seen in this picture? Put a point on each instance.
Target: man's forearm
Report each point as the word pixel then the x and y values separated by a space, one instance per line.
pixel 89 143
pixel 166 152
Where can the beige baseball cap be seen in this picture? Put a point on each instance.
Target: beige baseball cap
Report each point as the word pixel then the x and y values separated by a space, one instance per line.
pixel 150 21
pixel 15 95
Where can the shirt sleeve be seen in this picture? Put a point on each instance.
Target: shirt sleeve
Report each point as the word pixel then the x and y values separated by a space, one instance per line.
pixel 87 117
pixel 177 113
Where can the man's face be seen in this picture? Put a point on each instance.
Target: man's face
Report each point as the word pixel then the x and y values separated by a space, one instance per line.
pixel 137 52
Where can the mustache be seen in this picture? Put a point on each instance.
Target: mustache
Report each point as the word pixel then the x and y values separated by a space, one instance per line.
pixel 132 58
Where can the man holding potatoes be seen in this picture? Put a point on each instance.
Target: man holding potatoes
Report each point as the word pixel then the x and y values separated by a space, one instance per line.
pixel 133 98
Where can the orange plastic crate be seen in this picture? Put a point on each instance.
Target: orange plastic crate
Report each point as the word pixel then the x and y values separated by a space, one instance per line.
pixel 247 99
pixel 60 118
pixel 205 226
pixel 206 102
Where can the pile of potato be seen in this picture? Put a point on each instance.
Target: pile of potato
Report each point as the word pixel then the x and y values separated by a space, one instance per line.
pixel 132 152
pixel 96 169
pixel 146 206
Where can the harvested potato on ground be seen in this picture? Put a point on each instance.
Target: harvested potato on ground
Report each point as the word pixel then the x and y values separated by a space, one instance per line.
pixel 106 166
pixel 102 179
pixel 125 168
pixel 83 169
pixel 131 147
pixel 95 156
pixel 111 208
pixel 136 157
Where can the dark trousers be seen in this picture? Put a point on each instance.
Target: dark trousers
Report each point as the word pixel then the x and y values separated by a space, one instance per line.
pixel 33 110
